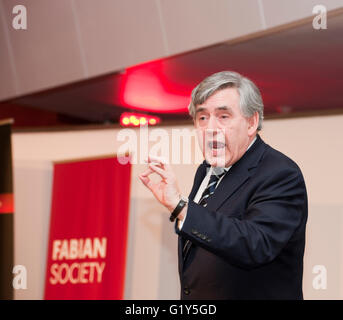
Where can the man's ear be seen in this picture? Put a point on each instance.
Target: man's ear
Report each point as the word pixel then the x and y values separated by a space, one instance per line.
pixel 253 124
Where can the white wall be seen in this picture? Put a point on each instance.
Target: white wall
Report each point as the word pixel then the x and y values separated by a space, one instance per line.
pixel 314 143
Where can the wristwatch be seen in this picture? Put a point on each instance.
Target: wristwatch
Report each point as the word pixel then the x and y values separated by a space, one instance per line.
pixel 183 201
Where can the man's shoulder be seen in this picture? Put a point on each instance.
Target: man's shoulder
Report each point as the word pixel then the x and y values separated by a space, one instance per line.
pixel 277 161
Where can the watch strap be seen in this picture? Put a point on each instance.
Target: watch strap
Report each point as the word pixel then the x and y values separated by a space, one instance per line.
pixel 182 203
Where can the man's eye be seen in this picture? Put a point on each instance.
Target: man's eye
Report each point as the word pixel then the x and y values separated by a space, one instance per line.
pixel 202 118
pixel 224 116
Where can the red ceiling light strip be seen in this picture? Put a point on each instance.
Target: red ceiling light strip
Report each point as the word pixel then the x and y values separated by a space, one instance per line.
pixel 134 119
pixel 6 203
pixel 145 87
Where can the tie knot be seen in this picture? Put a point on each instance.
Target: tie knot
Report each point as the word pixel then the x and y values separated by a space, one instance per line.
pixel 215 176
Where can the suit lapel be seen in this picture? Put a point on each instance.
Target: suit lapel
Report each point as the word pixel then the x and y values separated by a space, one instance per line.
pixel 230 183
pixel 199 177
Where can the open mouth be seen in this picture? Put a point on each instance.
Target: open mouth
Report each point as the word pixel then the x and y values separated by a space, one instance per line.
pixel 216 144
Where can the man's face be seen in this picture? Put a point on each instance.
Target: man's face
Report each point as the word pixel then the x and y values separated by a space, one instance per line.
pixel 224 134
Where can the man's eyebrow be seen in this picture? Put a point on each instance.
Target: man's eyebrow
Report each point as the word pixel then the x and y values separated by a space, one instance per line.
pixel 200 109
pixel 225 108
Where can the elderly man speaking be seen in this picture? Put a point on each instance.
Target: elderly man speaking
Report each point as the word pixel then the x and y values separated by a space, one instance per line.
pixel 242 228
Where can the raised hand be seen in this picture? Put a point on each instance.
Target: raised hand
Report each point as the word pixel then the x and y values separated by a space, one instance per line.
pixel 166 191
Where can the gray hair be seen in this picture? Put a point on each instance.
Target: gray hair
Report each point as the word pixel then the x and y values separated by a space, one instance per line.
pixel 250 96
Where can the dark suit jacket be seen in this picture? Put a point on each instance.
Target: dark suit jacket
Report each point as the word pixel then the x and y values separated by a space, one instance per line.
pixel 248 243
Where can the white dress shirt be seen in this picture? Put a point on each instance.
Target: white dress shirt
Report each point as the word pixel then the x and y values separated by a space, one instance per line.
pixel 204 184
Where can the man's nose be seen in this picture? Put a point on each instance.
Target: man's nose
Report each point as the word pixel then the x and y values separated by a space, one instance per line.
pixel 212 123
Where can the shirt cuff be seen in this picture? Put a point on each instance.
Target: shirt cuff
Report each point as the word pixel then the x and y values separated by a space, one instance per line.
pixel 181 222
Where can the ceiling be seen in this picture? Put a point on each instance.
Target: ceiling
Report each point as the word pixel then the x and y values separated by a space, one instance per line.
pixel 297 70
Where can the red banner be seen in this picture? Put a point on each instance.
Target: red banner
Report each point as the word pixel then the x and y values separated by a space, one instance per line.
pixel 88 230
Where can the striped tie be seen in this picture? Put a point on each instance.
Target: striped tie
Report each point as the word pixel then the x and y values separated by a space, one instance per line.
pixel 212 184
